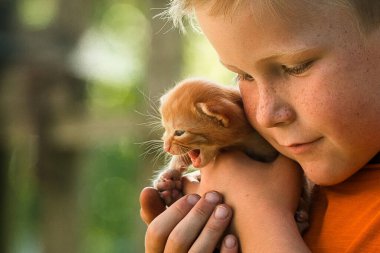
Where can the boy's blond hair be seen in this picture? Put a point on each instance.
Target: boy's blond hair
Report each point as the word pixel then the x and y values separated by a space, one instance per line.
pixel 366 11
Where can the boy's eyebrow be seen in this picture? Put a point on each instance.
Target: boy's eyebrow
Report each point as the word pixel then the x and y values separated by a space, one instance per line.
pixel 233 68
pixel 230 67
pixel 289 54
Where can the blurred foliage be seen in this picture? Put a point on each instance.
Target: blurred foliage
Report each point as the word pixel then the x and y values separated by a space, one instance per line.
pixel 112 55
pixel 33 16
pixel 202 60
pixel 111 190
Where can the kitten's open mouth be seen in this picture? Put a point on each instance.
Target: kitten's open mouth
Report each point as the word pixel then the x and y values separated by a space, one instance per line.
pixel 195 157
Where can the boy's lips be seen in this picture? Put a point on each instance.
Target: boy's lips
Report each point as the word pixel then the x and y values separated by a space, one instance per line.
pixel 303 147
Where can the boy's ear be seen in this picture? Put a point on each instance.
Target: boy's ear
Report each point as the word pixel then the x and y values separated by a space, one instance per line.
pixel 221 110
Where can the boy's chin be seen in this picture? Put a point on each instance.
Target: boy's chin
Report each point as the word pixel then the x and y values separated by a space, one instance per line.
pixel 326 175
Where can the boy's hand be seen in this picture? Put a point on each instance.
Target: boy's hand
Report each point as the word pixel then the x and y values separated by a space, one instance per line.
pixel 264 197
pixel 191 223
pixel 152 203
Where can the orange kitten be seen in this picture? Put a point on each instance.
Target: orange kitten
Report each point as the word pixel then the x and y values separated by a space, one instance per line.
pixel 202 118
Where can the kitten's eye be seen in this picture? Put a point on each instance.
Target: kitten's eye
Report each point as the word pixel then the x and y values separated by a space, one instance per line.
pixel 179 132
pixel 298 69
pixel 244 77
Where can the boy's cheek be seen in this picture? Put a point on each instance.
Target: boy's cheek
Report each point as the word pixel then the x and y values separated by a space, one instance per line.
pixel 249 102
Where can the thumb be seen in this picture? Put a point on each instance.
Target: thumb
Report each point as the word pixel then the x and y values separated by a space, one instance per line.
pixel 151 204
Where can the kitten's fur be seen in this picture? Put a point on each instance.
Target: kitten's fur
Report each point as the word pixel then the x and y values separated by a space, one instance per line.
pixel 200 119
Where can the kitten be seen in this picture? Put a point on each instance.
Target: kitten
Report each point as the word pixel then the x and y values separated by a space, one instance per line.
pixel 200 119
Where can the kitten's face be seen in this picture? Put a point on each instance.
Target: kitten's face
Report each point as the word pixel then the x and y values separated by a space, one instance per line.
pixel 192 115
pixel 187 134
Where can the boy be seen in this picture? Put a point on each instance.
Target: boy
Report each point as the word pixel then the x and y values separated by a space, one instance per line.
pixel 309 74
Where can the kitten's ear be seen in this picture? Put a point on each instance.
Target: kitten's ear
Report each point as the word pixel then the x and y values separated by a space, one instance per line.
pixel 215 110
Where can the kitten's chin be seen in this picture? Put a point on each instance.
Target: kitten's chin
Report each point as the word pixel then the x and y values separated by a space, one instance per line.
pixel 196 158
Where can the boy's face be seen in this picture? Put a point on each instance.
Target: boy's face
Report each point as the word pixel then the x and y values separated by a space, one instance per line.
pixel 310 86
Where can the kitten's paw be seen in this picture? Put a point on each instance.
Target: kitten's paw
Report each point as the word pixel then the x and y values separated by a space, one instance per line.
pixel 169 186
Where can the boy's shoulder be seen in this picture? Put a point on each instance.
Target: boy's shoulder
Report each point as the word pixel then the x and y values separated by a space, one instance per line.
pixel 346 216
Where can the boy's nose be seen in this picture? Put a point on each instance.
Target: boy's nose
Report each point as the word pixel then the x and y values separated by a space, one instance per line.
pixel 272 111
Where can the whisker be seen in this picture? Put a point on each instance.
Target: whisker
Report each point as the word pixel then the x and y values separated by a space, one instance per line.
pixel 155 129
pixel 158 156
pixel 184 149
pixel 149 115
pixel 148 152
pixel 151 102
pixel 167 158
pixel 152 147
pixel 150 124
pixel 188 160
pixel 149 142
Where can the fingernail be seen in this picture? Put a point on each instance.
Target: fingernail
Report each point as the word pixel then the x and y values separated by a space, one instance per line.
pixel 221 212
pixel 212 197
pixel 230 242
pixel 192 199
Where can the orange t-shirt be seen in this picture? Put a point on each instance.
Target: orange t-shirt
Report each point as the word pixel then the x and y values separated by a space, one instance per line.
pixel 345 218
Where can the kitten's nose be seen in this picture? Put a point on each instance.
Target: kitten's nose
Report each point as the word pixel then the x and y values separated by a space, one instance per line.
pixel 166 147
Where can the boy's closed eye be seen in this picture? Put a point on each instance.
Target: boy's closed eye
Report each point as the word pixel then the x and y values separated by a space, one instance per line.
pixel 243 77
pixel 297 70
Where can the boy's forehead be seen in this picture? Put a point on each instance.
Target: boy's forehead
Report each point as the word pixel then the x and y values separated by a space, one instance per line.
pixel 278 7
pixel 255 20
pixel 247 32
pixel 292 12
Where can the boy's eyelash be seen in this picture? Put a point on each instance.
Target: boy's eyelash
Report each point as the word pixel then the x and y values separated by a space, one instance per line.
pixel 243 77
pixel 297 70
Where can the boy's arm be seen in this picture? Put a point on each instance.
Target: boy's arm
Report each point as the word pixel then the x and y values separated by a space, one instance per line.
pixel 264 198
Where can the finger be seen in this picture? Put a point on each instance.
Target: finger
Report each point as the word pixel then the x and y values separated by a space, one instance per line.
pixel 160 228
pixel 151 204
pixel 214 230
pixel 229 245
pixel 185 233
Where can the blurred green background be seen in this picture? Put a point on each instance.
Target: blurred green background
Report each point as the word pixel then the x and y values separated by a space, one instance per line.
pixel 79 79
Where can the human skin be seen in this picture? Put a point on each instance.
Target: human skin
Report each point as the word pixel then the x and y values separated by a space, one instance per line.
pixel 311 88
pixel 228 171
pixel 325 117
